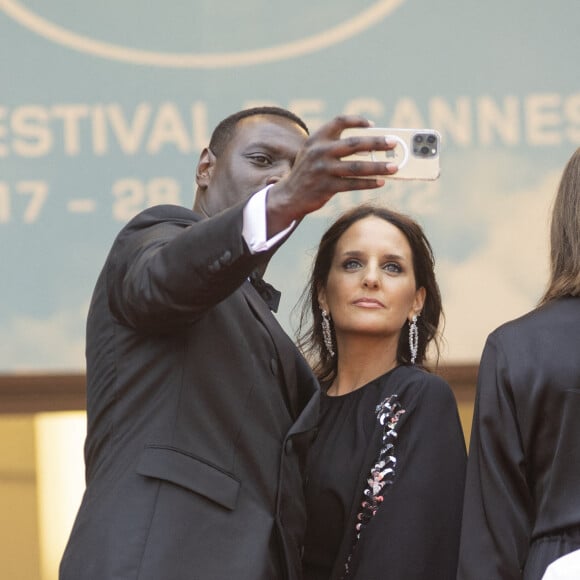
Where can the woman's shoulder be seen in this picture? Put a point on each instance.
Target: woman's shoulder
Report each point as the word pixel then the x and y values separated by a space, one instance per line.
pixel 413 383
pixel 413 374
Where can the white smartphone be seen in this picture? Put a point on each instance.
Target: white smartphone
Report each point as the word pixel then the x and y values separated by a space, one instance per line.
pixel 416 153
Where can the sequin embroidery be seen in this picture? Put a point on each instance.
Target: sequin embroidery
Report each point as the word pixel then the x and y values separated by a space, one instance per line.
pixel 382 473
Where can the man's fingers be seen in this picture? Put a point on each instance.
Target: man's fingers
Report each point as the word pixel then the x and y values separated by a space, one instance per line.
pixel 358 168
pixel 356 183
pixel 334 128
pixel 358 144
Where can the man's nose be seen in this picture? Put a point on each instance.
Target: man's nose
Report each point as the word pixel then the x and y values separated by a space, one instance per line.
pixel 280 174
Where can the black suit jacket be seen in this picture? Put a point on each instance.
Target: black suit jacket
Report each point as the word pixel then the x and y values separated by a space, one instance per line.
pixel 199 412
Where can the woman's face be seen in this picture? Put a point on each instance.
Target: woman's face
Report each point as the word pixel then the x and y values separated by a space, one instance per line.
pixel 371 288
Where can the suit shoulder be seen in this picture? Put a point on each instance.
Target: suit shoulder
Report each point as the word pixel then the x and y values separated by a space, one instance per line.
pixel 166 217
pixel 162 213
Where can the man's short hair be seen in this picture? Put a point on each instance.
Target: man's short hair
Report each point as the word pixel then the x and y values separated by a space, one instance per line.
pixel 226 128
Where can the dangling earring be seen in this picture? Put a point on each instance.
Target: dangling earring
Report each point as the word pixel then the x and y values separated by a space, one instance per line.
pixel 413 339
pixel 326 334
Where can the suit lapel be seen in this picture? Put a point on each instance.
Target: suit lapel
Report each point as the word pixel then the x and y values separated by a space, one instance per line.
pixel 283 345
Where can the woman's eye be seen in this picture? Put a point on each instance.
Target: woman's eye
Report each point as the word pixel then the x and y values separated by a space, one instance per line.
pixel 393 267
pixel 351 264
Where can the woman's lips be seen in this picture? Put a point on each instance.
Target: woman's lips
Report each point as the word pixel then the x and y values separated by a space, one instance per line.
pixel 369 303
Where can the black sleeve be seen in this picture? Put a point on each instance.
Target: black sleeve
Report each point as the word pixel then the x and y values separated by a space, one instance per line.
pixel 166 269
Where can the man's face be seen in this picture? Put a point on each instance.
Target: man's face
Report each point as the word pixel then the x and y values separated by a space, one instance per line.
pixel 261 152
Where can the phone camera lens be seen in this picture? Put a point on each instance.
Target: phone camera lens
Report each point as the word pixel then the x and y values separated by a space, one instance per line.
pixel 418 138
pixel 425 150
pixel 431 139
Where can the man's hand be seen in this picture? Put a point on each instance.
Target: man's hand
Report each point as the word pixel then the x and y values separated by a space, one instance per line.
pixel 319 172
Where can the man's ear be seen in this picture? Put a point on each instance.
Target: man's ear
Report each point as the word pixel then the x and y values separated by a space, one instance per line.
pixel 204 168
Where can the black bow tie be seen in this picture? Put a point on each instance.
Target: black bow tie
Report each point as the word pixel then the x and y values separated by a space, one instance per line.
pixel 269 294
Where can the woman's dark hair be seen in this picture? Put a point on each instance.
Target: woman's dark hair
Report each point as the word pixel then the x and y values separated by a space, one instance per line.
pixel 310 338
pixel 565 235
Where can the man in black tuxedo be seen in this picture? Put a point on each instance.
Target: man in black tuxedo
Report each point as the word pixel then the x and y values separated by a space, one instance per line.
pixel 199 406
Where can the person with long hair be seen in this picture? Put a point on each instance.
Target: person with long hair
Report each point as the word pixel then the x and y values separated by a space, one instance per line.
pixel 522 498
pixel 385 474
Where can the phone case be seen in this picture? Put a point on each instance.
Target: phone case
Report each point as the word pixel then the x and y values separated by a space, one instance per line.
pixel 416 153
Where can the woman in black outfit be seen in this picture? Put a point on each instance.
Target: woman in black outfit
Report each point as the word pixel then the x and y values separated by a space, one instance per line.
pixel 522 500
pixel 385 475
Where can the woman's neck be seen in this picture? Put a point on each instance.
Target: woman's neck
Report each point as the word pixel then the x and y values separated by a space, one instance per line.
pixel 361 361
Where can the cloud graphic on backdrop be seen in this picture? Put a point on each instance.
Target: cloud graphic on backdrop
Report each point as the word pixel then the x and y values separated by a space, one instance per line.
pixel 505 277
pixel 84 41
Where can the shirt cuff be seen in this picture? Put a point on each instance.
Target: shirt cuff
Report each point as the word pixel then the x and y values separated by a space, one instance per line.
pixel 254 229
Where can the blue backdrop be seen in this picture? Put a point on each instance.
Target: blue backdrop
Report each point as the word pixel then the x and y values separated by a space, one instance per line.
pixel 104 108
